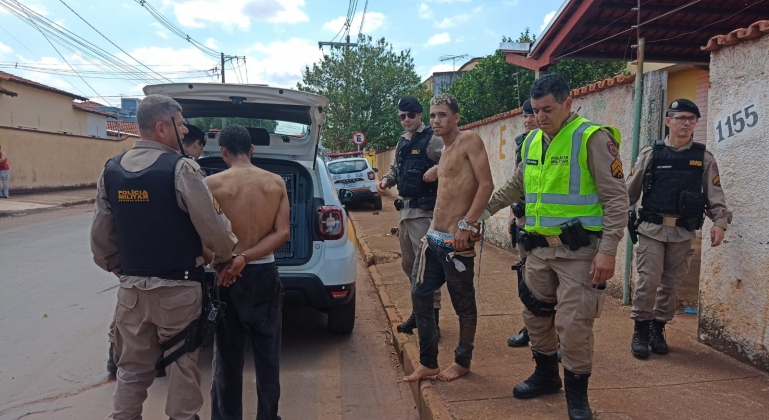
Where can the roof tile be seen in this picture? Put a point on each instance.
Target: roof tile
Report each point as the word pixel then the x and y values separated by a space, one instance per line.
pixel 129 127
pixel 22 81
pixel 85 108
pixel 756 30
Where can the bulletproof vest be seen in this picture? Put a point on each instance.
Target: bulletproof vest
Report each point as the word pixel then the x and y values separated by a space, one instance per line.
pixel 412 165
pixel 673 181
pixel 155 237
pixel 518 144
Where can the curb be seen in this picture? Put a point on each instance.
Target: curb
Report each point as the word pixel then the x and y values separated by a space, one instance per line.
pixel 429 403
pixel 10 213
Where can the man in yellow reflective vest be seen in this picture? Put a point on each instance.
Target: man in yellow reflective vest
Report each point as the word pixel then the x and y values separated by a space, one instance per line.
pixel 576 210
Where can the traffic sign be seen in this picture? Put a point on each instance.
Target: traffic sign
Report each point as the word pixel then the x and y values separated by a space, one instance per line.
pixel 359 138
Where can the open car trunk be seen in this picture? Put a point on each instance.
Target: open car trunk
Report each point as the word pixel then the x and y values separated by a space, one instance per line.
pixel 298 249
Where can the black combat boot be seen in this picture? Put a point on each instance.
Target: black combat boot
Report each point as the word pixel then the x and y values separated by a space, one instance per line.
pixel 640 344
pixel 407 326
pixel 437 327
pixel 657 337
pixel 575 385
pixel 519 340
pixel 544 380
pixel 111 365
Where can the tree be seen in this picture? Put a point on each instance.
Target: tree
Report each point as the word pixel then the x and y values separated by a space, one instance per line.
pixel 363 85
pixel 496 86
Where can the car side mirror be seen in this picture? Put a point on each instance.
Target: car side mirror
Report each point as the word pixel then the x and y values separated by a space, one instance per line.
pixel 376 170
pixel 345 195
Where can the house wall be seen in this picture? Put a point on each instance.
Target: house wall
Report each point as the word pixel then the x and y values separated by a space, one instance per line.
pixel 734 289
pixel 40 109
pixel 48 160
pixel 97 125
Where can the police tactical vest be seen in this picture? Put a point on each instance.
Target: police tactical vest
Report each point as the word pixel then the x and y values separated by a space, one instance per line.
pixel 674 183
pixel 518 145
pixel 559 186
pixel 412 165
pixel 155 237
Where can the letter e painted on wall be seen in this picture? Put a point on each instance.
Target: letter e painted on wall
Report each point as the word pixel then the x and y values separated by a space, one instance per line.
pixel 502 141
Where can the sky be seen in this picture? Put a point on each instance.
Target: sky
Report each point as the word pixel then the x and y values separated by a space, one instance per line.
pixel 278 38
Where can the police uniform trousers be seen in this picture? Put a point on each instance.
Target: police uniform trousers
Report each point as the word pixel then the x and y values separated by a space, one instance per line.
pixel 410 234
pixel 144 319
pixel 661 268
pixel 568 282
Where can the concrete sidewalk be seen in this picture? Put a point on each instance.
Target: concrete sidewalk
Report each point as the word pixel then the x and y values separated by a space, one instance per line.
pixel 693 381
pixel 19 205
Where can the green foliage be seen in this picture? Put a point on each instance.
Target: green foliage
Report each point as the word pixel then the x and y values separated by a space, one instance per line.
pixel 496 86
pixel 363 85
pixel 207 123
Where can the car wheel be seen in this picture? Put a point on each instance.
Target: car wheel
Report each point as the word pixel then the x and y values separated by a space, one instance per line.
pixel 341 319
pixel 378 203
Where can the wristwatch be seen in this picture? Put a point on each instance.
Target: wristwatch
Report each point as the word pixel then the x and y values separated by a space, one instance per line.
pixel 465 225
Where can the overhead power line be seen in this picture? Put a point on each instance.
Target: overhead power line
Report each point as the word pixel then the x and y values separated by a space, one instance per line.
pixel 363 17
pixel 110 41
pixel 176 30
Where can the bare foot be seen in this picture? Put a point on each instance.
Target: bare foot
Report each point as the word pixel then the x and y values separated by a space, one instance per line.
pixel 419 373
pixel 454 371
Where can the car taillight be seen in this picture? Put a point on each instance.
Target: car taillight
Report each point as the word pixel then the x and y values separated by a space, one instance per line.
pixel 330 222
pixel 371 175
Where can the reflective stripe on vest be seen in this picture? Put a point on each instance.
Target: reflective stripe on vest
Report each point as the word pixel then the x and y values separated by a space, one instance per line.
pixel 548 204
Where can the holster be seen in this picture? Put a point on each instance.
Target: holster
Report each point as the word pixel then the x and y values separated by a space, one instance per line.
pixel 519 209
pixel 632 226
pixel 200 332
pixel 535 306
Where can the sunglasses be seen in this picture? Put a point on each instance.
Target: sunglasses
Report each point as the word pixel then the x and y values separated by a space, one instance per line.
pixel 411 115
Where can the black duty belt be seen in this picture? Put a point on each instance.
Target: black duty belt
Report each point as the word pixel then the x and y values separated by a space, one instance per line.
pixel 192 274
pixel 411 204
pixel 686 223
pixel 539 241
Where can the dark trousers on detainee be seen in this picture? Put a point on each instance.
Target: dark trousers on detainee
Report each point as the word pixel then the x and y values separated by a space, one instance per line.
pixel 254 305
pixel 433 267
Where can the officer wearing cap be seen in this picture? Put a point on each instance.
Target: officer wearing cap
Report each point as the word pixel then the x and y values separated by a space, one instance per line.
pixel 680 183
pixel 415 171
pixel 194 141
pixel 517 222
pixel 153 215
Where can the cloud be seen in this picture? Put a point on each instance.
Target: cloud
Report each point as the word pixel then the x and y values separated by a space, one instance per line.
pixel 510 2
pixel 211 43
pixel 372 22
pixel 281 63
pixel 548 18
pixel 441 68
pixel 237 13
pixel 453 21
pixel 438 39
pixel 424 11
pixel 4 48
pixel 162 31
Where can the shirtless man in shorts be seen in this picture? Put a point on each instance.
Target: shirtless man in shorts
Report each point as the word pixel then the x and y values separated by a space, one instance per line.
pixel 257 205
pixel 447 255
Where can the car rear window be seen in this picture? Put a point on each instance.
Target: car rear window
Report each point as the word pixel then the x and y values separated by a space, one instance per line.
pixel 347 167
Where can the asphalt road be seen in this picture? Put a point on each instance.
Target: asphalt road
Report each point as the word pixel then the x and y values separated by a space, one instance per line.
pixel 55 309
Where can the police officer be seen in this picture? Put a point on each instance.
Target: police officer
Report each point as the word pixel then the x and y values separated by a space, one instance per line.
pixel 516 222
pixel 680 183
pixel 153 215
pixel 414 170
pixel 575 195
pixel 194 141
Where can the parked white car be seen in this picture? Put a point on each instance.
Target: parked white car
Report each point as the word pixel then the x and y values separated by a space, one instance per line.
pixel 356 175
pixel 318 265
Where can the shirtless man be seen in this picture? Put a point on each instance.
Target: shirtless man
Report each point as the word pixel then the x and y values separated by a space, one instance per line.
pixel 447 254
pixel 256 203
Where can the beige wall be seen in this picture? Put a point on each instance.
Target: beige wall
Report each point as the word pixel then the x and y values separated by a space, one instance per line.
pixel 734 290
pixel 47 160
pixel 383 161
pixel 40 109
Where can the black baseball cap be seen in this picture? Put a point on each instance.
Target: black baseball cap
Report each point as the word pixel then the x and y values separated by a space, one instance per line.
pixel 409 104
pixel 527 109
pixel 684 105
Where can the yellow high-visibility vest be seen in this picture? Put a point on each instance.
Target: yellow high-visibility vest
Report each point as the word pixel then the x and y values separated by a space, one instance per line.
pixel 559 187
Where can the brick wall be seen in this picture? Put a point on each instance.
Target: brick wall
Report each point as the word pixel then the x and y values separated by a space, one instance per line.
pixel 703 86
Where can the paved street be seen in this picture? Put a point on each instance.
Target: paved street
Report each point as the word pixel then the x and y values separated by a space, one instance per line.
pixel 55 309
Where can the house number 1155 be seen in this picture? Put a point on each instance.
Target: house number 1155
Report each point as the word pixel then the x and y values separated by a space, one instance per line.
pixel 736 123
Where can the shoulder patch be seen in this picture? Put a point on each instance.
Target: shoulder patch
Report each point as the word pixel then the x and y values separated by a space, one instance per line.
pixel 217 207
pixel 616 169
pixel 612 148
pixel 717 181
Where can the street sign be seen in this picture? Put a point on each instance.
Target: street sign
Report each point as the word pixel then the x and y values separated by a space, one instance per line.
pixel 359 138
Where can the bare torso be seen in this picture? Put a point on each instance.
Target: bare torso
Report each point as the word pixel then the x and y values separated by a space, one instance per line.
pixel 457 186
pixel 250 197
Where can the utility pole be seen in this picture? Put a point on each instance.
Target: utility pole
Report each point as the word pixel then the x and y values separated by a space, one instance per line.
pixel 222 67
